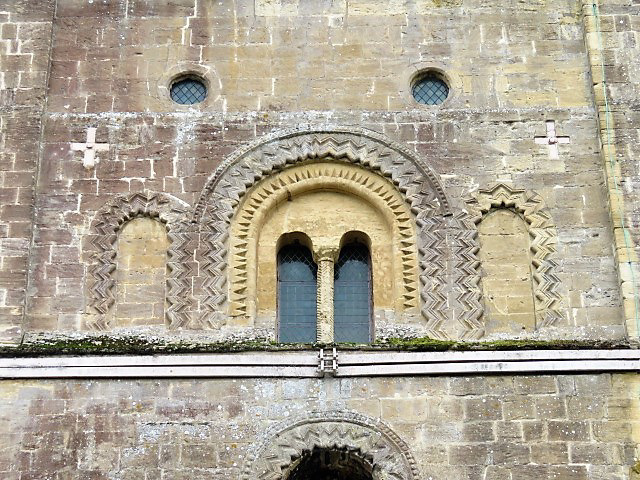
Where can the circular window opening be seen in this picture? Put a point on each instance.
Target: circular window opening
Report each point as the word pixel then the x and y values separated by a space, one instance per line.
pixel 430 89
pixel 189 90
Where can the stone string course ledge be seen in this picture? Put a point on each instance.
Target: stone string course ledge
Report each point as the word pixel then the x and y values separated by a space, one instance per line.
pixel 135 343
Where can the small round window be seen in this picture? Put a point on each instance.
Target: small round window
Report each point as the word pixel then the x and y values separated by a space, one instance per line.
pixel 188 91
pixel 430 89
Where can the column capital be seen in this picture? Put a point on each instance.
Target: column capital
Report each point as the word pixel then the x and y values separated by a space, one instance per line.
pixel 323 254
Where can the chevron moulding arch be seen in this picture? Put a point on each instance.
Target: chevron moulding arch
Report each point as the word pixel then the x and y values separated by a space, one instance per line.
pixel 371 438
pixel 107 223
pixel 264 199
pixel 543 240
pixel 419 185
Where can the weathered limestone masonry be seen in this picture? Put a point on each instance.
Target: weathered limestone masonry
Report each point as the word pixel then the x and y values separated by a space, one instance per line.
pixel 524 427
pixel 132 224
pixel 324 65
pixel 613 48
pixel 25 50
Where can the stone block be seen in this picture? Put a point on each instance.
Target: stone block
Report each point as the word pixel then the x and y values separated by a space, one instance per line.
pixel 511 454
pixel 551 453
pixel 486 408
pixel 535 385
pixel 568 431
pixel 593 384
pixel 594 454
pixel 551 408
pixel 478 431
pixel 468 454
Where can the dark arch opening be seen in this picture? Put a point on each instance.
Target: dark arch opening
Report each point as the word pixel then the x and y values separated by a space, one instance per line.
pixel 331 464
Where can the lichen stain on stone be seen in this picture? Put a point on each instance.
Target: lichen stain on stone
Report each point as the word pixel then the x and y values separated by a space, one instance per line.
pixel 11 389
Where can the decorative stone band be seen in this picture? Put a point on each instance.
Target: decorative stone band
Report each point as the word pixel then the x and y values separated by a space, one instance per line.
pixel 107 222
pixel 413 177
pixel 305 364
pixel 542 231
pixel 368 438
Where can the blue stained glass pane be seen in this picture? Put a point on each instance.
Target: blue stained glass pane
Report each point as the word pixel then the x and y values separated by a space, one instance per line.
pixel 188 91
pixel 430 90
pixel 296 295
pixel 352 295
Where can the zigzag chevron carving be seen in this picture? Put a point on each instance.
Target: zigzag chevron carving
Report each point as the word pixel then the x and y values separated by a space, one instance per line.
pixel 107 222
pixel 320 174
pixel 237 174
pixel 543 243
pixel 372 440
pixel 444 286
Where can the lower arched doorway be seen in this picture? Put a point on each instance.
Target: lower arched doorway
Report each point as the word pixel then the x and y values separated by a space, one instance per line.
pixel 330 464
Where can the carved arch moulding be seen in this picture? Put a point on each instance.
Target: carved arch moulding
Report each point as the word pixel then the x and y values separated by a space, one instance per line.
pixel 107 223
pixel 413 178
pixel 372 439
pixel 543 239
pixel 356 181
pixel 446 238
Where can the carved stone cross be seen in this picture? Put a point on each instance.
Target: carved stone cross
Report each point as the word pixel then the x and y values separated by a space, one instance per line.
pixel 90 147
pixel 551 140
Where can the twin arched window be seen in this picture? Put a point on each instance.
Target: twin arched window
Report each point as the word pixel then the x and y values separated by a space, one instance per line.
pixel 297 295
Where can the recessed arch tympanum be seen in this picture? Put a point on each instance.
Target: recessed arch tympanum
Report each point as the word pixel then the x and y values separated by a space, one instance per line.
pixel 411 177
pixel 342 197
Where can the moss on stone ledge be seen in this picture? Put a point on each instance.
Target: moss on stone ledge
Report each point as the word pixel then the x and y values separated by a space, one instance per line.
pixel 433 345
pixel 91 344
pixel 129 345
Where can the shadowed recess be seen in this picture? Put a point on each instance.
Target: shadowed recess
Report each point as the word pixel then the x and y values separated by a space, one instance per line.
pixel 331 464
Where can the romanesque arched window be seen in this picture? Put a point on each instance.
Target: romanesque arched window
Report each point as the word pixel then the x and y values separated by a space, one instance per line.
pixel 297 285
pixel 352 295
pixel 327 206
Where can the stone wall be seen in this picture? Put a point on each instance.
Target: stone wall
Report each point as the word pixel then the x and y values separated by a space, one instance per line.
pixel 612 38
pixel 519 71
pixel 25 40
pixel 270 66
pixel 571 427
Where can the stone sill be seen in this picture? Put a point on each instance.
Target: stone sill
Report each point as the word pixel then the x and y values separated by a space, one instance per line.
pixel 114 343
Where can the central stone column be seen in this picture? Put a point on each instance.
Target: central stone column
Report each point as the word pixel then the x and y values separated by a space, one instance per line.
pixel 325 258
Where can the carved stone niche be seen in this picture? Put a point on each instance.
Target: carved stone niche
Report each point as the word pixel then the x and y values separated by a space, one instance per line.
pixel 345 198
pixel 530 206
pixel 413 180
pixel 385 454
pixel 101 250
